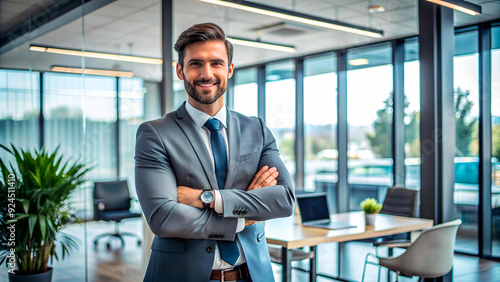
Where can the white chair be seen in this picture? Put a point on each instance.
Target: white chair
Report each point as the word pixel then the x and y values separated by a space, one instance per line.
pixel 431 255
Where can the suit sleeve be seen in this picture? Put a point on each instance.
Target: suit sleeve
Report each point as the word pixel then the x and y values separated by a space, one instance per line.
pixel 267 202
pixel 157 191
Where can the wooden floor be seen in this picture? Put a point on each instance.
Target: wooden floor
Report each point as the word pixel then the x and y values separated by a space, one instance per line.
pixel 128 264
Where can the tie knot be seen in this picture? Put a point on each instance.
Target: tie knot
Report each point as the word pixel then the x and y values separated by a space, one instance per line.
pixel 213 124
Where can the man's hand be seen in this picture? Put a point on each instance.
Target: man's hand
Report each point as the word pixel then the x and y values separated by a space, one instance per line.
pixel 264 177
pixel 189 196
pixel 250 222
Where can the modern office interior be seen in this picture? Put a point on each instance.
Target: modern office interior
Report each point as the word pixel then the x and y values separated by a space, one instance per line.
pixel 361 96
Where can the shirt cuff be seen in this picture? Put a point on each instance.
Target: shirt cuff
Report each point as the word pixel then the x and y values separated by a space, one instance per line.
pixel 241 225
pixel 218 207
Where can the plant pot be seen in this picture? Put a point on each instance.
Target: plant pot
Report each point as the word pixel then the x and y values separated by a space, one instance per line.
pixel 39 277
pixel 370 218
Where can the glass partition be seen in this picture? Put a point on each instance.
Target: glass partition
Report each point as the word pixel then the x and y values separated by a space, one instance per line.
pixel 320 123
pixel 369 117
pixel 245 91
pixel 495 142
pixel 466 97
pixel 280 109
pixel 19 110
pixel 412 114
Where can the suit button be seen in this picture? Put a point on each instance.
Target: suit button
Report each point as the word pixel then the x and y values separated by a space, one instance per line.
pixel 210 249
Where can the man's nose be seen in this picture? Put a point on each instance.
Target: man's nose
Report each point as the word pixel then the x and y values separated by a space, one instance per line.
pixel 206 71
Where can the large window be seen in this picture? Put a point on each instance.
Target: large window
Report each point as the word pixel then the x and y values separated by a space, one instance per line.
pixel 19 109
pixel 280 109
pixel 495 131
pixel 320 122
pixel 245 92
pixel 466 89
pixel 412 115
pixel 369 117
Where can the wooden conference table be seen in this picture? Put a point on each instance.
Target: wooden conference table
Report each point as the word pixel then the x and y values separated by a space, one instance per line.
pixel 290 234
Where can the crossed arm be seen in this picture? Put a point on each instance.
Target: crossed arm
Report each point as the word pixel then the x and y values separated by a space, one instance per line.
pixel 264 177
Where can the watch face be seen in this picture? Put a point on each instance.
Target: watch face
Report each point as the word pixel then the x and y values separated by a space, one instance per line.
pixel 207 197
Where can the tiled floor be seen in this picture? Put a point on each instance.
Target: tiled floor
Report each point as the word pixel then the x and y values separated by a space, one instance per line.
pixel 127 264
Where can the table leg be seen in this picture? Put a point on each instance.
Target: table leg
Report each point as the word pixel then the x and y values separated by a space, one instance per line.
pixel 339 258
pixel 312 264
pixel 286 264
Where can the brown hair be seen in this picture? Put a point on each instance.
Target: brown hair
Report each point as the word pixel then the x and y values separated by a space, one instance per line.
pixel 202 32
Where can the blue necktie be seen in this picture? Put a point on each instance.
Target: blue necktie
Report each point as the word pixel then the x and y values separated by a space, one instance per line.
pixel 228 249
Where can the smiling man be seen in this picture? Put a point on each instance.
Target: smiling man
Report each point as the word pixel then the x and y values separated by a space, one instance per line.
pixel 207 176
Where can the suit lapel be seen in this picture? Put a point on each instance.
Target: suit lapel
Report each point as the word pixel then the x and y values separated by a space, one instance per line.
pixel 188 126
pixel 233 136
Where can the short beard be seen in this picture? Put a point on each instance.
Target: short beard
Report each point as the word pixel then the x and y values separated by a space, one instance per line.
pixel 202 99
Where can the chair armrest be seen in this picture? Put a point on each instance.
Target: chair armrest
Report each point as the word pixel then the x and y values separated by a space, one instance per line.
pixel 393 244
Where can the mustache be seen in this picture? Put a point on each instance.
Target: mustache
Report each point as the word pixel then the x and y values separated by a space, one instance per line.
pixel 206 81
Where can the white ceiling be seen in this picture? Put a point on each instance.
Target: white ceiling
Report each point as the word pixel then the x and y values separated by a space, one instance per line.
pixel 133 27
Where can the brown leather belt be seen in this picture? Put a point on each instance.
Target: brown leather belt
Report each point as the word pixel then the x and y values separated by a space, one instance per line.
pixel 234 274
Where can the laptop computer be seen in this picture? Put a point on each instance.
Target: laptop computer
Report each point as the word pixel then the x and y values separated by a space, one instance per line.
pixel 314 212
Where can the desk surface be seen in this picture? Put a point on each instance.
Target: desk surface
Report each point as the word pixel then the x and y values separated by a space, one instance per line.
pixel 289 232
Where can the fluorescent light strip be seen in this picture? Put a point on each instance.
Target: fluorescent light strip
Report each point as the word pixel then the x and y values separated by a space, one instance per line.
pixel 462 6
pixel 97 55
pixel 359 62
pixel 296 17
pixel 115 73
pixel 262 45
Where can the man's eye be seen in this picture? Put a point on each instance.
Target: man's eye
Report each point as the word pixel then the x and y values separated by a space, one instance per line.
pixel 195 64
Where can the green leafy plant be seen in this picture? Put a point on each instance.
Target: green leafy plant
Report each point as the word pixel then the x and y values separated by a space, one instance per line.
pixel 370 205
pixel 34 208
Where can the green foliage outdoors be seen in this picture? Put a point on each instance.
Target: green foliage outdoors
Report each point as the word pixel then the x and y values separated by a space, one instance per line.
pixel 465 126
pixel 370 205
pixel 495 132
pixel 43 183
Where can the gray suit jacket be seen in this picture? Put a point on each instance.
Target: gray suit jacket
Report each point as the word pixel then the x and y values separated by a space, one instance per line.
pixel 169 153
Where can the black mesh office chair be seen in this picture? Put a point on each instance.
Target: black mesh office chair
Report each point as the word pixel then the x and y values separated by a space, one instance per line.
pixel 112 203
pixel 398 201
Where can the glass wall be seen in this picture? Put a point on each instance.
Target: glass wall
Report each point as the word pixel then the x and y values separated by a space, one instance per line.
pixel 466 87
pixel 412 114
pixel 369 117
pixel 245 92
pixel 19 109
pixel 79 117
pixel 280 109
pixel 495 132
pixel 131 109
pixel 320 123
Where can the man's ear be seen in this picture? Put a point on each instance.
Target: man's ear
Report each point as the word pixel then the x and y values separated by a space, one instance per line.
pixel 231 69
pixel 178 71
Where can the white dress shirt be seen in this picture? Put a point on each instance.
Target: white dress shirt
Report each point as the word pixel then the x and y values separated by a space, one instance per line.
pixel 199 119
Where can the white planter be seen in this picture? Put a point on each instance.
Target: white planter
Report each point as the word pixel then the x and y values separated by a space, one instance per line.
pixel 370 218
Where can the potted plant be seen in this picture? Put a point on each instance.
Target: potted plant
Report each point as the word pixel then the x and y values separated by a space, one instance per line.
pixel 371 207
pixel 33 211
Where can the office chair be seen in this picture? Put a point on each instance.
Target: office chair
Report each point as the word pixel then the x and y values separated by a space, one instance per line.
pixel 398 201
pixel 112 203
pixel 430 256
pixel 298 254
